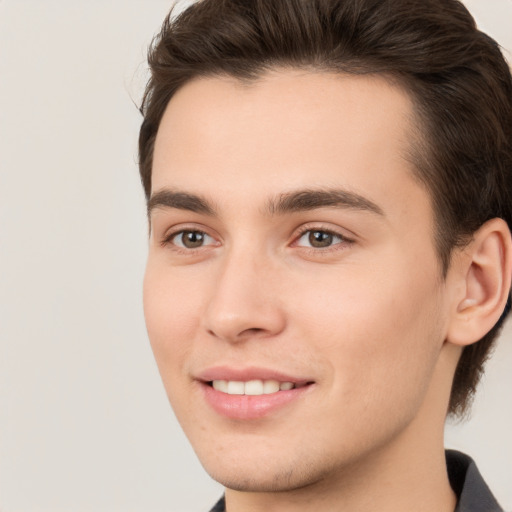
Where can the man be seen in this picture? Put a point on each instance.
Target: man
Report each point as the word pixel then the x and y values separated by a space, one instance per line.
pixel 329 195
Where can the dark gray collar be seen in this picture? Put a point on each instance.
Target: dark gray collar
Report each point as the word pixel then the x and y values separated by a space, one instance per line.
pixel 468 484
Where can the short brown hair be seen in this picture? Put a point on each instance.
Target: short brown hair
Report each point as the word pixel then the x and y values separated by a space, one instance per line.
pixel 456 75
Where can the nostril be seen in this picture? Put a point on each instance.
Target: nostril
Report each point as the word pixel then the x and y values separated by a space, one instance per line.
pixel 252 330
pixel 239 320
pixel 239 336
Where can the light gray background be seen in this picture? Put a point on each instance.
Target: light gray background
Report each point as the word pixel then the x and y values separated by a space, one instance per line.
pixel 84 421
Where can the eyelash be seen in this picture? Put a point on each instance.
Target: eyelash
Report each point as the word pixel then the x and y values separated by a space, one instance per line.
pixel 169 238
pixel 343 240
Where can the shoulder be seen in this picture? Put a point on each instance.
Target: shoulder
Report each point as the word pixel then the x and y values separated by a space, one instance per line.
pixel 473 493
pixel 220 506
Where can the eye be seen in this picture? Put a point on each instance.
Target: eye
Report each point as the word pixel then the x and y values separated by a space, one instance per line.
pixel 319 239
pixel 189 239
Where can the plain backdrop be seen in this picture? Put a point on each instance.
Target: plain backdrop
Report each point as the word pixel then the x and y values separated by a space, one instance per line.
pixel 84 422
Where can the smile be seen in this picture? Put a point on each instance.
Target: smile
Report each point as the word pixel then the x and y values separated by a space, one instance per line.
pixel 251 398
pixel 252 387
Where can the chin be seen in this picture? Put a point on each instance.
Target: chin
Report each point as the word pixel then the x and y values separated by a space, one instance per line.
pixel 267 470
pixel 265 479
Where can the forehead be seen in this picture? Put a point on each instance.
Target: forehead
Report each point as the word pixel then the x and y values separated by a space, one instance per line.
pixel 288 103
pixel 288 129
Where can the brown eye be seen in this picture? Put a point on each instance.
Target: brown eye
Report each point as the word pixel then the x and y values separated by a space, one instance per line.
pixel 320 239
pixel 191 239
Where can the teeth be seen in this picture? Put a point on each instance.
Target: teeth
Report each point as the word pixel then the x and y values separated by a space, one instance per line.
pixel 270 386
pixel 235 387
pixel 254 387
pixel 251 387
pixel 220 385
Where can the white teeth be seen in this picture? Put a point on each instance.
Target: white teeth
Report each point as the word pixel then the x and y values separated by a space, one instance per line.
pixel 270 386
pixel 254 387
pixel 251 387
pixel 220 385
pixel 235 387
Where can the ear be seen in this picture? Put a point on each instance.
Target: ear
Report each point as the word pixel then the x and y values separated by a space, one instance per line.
pixel 482 278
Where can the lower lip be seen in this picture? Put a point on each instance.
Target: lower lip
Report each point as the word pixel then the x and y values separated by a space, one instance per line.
pixel 250 407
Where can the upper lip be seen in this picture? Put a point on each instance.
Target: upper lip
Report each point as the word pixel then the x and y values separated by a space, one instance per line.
pixel 249 373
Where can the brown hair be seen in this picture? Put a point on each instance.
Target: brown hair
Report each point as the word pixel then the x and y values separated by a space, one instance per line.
pixel 456 75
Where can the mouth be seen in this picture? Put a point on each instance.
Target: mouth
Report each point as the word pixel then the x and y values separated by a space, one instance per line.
pixel 255 387
pixel 251 394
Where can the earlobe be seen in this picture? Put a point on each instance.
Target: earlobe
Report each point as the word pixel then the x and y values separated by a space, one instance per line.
pixel 485 275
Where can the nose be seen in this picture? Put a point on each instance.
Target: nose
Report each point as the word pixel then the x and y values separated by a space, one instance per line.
pixel 244 302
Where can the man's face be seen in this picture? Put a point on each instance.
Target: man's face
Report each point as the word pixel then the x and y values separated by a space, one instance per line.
pixel 292 247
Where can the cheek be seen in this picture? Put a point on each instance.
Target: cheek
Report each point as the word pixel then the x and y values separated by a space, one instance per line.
pixel 380 335
pixel 171 313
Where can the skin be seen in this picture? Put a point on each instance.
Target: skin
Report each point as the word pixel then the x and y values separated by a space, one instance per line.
pixel 366 318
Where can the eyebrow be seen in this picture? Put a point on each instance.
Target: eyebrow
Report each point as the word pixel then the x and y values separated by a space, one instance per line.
pixel 310 199
pixel 300 200
pixel 181 200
